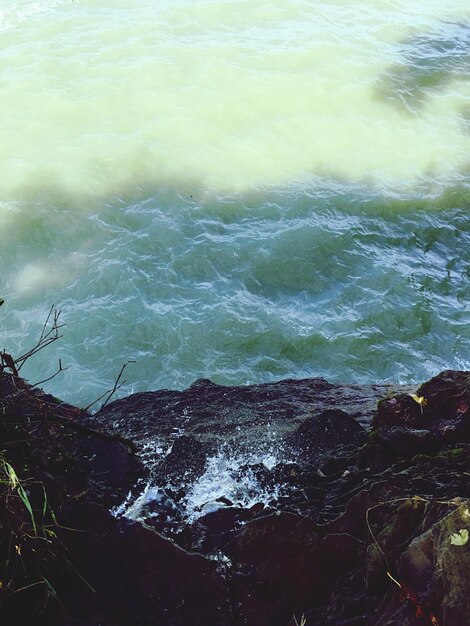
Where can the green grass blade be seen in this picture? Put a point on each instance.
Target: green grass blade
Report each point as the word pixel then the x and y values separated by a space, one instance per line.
pixel 27 504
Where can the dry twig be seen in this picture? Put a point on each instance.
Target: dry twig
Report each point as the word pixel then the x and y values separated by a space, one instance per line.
pixel 47 336
pixel 111 392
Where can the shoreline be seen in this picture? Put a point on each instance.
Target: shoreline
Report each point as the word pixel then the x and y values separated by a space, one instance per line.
pixel 360 532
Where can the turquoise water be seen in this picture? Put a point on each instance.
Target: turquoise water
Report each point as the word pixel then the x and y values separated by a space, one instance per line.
pixel 238 190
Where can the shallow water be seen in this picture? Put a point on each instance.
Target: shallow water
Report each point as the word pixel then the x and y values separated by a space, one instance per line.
pixel 243 190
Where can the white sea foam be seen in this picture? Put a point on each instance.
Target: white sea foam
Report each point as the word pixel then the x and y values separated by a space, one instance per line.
pixel 136 509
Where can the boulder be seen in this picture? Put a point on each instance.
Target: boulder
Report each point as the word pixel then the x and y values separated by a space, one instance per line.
pixel 237 415
pixel 425 422
pixel 357 532
pixel 140 577
pixel 184 463
pixel 281 566
pixel 323 433
pixel 438 571
pixel 431 582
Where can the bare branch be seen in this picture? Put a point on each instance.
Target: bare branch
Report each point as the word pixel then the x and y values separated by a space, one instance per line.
pixel 46 323
pixel 111 392
pixel 47 336
pixel 95 401
pixel 61 369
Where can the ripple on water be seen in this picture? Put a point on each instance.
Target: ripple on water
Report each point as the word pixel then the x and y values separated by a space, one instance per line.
pixel 234 190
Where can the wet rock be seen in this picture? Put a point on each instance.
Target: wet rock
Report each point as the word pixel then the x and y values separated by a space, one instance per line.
pixel 322 433
pixel 439 571
pixel 439 415
pixel 110 470
pixel 156 508
pixel 274 568
pixel 236 415
pixel 56 440
pixel 66 468
pixel 286 472
pixel 185 462
pixel 392 526
pixel 214 530
pixel 210 533
pixel 448 398
pixel 258 473
pixel 433 575
pixel 339 509
pixel 337 462
pixel 143 578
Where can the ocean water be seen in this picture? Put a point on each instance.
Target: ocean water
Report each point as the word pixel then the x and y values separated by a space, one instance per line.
pixel 235 189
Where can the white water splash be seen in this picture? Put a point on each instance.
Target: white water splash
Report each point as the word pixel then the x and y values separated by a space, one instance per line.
pixel 231 477
pixel 138 509
pixel 227 477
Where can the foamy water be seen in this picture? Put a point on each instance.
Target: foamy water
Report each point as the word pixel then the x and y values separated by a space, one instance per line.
pixel 241 190
pixel 230 478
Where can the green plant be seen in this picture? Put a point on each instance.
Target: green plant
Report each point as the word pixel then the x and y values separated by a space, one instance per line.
pixel 29 545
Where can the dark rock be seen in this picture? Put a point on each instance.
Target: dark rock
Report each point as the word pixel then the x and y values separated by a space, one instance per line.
pixel 322 433
pixel 441 417
pixel 111 470
pixel 185 462
pixel 337 462
pixel 259 472
pixel 142 578
pixel 286 473
pixel 351 511
pixel 57 442
pixel 438 571
pixel 281 566
pixel 213 531
pixel 238 415
pixel 275 570
pixel 433 576
pixel 160 511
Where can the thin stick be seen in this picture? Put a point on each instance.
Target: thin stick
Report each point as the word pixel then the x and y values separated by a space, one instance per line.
pixel 41 336
pixel 116 384
pixel 374 539
pixel 61 369
pixel 112 391
pixel 46 337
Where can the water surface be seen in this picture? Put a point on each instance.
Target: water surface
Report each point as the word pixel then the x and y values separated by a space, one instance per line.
pixel 240 190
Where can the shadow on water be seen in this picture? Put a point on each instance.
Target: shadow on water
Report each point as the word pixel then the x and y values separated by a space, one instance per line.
pixel 58 226
pixel 324 276
pixel 47 244
pixel 428 63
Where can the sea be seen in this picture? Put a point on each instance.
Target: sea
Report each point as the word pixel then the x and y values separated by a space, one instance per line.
pixel 240 190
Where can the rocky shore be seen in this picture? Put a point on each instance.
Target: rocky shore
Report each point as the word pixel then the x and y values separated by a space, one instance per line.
pixel 326 505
